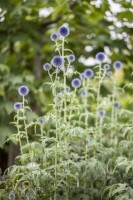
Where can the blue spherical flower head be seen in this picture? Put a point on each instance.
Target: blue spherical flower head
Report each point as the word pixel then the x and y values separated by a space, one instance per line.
pixel 54 36
pixel 82 76
pixel 67 89
pixel 61 91
pixel 57 61
pixel 47 66
pixel 76 83
pixel 18 106
pixel 88 73
pixel 63 31
pixel 42 121
pixel 110 73
pixel 12 196
pixel 100 56
pixel 23 90
pixel 71 58
pixel 83 93
pixel 117 105
pixel 117 65
pixel 101 113
pixel 106 67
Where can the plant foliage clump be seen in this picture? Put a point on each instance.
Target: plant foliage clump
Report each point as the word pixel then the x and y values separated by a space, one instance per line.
pixel 83 149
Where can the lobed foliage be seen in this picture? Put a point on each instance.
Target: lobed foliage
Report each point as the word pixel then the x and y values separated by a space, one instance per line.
pixel 83 146
pixel 24 43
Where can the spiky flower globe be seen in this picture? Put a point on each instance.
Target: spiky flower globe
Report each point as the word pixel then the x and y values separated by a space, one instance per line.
pixel 83 93
pixel 67 89
pixel 117 65
pixel 47 66
pixel 18 106
pixel 42 121
pixel 117 105
pixel 106 67
pixel 88 73
pixel 82 76
pixel 63 31
pixel 76 83
pixel 71 58
pixel 23 90
pixel 57 61
pixel 12 196
pixel 101 113
pixel 100 56
pixel 110 73
pixel 54 36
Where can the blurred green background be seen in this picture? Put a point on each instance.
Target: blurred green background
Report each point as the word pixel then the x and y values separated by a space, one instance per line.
pixel 25 28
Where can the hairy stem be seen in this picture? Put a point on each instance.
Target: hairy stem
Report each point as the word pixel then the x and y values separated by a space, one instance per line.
pixel 18 130
pixel 25 125
pixel 98 94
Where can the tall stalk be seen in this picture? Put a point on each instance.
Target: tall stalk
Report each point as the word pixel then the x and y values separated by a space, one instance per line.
pixel 24 119
pixel 18 130
pixel 64 75
pixel 86 88
pixel 98 94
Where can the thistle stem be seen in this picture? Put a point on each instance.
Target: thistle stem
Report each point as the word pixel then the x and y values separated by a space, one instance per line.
pixel 98 94
pixel 86 87
pixel 25 125
pixel 18 130
pixel 64 70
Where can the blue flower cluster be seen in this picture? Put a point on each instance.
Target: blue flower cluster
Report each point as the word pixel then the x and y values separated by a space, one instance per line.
pixel 63 31
pixel 76 83
pixel 47 66
pixel 88 73
pixel 100 56
pixel 18 106
pixel 23 90
pixel 57 61
pixel 117 65
pixel 101 113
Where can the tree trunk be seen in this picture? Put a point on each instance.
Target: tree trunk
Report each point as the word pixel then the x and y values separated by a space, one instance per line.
pixel 14 151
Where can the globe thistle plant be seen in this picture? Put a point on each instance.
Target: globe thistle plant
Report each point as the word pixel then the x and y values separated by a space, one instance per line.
pixel 88 73
pixel 101 113
pixel 117 65
pixel 76 83
pixel 71 58
pixel 23 90
pixel 18 106
pixel 67 89
pixel 57 61
pixel 83 93
pixel 110 73
pixel 66 147
pixel 54 36
pixel 100 56
pixel 82 76
pixel 106 67
pixel 42 121
pixel 47 66
pixel 117 105
pixel 63 31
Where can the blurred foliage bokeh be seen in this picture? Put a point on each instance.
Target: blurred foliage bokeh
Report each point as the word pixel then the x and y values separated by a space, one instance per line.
pixel 25 45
